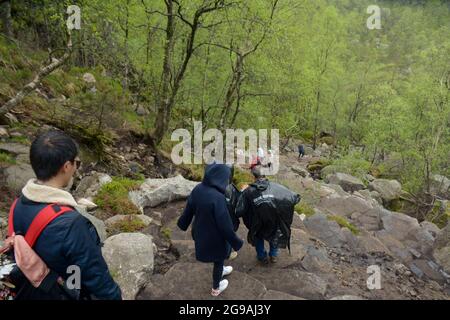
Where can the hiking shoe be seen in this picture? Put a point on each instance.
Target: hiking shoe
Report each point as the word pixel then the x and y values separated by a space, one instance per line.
pixel 233 255
pixel 227 271
pixel 264 261
pixel 273 259
pixel 222 286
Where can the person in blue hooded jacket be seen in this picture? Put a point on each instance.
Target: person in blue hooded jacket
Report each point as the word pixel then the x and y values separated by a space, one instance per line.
pixel 70 239
pixel 212 228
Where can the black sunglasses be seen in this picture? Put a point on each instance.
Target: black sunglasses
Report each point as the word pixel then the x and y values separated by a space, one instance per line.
pixel 77 163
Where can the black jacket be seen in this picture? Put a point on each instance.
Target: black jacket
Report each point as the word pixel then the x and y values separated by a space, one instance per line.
pixel 232 195
pixel 267 209
pixel 212 228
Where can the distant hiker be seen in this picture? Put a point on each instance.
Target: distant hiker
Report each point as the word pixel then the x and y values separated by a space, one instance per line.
pixel 260 154
pixel 232 195
pixel 269 158
pixel 267 209
pixel 256 161
pixel 44 218
pixel 212 228
pixel 301 151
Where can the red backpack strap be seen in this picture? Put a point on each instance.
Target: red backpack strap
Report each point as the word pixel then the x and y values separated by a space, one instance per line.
pixel 11 218
pixel 42 219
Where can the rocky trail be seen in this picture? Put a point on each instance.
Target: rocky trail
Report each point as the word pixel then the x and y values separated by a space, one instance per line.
pixel 332 247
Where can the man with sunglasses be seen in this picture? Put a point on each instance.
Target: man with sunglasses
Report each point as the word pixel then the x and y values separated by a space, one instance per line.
pixel 69 240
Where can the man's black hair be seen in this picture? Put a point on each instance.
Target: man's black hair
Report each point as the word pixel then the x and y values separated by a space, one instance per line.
pixel 256 171
pixel 50 151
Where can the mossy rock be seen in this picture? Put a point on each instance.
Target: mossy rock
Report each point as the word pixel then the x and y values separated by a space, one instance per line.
pixel 132 224
pixel 328 140
pixel 344 223
pixel 113 196
pixel 305 208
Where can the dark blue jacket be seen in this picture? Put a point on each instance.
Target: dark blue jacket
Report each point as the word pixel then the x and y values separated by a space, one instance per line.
pixel 212 228
pixel 70 239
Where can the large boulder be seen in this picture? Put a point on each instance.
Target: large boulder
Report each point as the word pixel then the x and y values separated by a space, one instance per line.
pixel 346 181
pixel 316 260
pixel 18 175
pixel 127 218
pixel 195 280
pixel 440 186
pixel 300 171
pixel 294 282
pixel 324 229
pixel 388 189
pixel 442 257
pixel 130 260
pixel 14 148
pixel 344 206
pixel 399 225
pixel 154 192
pixel 91 184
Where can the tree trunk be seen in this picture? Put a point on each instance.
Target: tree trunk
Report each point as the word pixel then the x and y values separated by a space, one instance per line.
pixel 7 19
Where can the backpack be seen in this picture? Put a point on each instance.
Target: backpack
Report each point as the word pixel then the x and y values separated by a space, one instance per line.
pixel 232 195
pixel 31 279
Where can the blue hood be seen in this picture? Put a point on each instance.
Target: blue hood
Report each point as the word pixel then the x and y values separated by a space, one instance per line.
pixel 217 176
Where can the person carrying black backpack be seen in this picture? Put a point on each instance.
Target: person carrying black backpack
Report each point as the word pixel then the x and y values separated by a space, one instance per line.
pixel 49 240
pixel 267 210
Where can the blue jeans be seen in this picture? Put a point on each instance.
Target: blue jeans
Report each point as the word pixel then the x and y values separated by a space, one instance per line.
pixel 261 251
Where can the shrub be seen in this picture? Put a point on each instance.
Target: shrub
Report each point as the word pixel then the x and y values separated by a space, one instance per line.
pixel 113 196
pixel 242 177
pixel 130 224
pixel 305 208
pixel 6 159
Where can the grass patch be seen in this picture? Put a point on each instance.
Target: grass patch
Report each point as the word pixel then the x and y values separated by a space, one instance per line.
pixel 21 140
pixel 6 159
pixel 113 196
pixel 305 208
pixel 166 232
pixel 344 224
pixel 128 224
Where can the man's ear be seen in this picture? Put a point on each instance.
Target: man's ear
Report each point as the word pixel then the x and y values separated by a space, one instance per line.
pixel 66 167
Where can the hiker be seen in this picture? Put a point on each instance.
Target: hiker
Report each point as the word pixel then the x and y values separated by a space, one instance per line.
pixel 66 240
pixel 212 228
pixel 260 154
pixel 267 210
pixel 301 151
pixel 269 158
pixel 232 195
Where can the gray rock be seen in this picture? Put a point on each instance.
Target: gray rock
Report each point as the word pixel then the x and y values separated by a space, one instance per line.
pixel 346 181
pixel 300 171
pixel 347 297
pixel 369 220
pixel 154 192
pixel 98 224
pixel 277 295
pixel 429 269
pixel 4 132
pixel 440 185
pixel 430 227
pixel 130 260
pixel 91 184
pixel 14 148
pixel 344 206
pixel 113 220
pixel 443 238
pixel 316 261
pixel 89 78
pixel 326 230
pixel 399 225
pixel 296 283
pixel 388 189
pixel 195 279
pixel 18 175
pixel 141 111
pixel 442 257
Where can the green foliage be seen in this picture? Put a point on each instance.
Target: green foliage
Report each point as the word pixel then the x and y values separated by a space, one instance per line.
pixel 305 208
pixel 439 215
pixel 113 196
pixel 353 164
pixel 343 222
pixel 128 224
pixel 166 232
pixel 6 159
